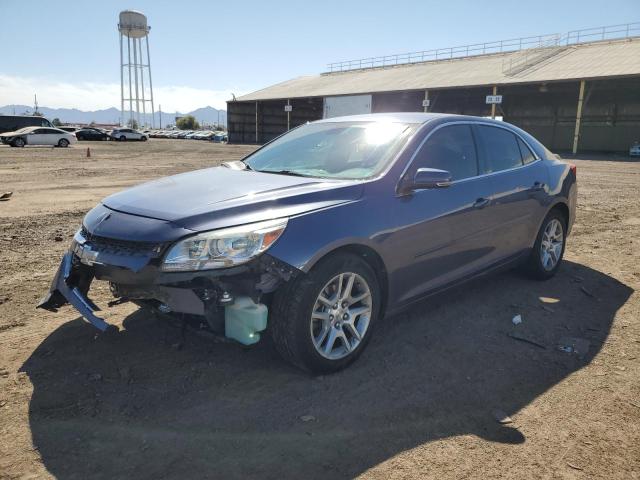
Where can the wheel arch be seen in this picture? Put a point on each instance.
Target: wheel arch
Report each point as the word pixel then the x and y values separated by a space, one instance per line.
pixel 563 208
pixel 372 258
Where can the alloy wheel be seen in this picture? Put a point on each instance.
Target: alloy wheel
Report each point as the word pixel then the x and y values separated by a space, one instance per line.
pixel 552 244
pixel 341 315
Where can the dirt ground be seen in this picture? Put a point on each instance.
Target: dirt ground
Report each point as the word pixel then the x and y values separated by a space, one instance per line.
pixel 421 402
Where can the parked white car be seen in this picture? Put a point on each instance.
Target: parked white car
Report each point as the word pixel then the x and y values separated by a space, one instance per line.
pixel 38 136
pixel 123 134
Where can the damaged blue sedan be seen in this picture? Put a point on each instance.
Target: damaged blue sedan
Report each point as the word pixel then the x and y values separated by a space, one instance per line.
pixel 317 235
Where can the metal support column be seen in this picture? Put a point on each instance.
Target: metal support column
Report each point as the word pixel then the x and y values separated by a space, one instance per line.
pixel 288 116
pixel 153 115
pixel 130 89
pixel 493 105
pixel 144 102
pixel 121 83
pixel 426 101
pixel 576 133
pixel 135 74
pixel 256 122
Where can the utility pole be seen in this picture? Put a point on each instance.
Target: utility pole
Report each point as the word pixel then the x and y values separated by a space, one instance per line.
pixel 160 114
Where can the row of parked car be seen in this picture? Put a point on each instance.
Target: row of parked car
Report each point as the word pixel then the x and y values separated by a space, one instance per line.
pixel 209 135
pixel 65 136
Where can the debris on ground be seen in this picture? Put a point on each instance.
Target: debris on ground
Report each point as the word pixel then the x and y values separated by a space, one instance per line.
pixel 575 467
pixel 5 196
pixel 58 238
pixel 579 346
pixel 95 377
pixel 548 309
pixel 501 417
pixel 308 418
pixel 517 320
pixel 522 338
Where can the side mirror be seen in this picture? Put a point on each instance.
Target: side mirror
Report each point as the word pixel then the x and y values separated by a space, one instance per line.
pixel 431 178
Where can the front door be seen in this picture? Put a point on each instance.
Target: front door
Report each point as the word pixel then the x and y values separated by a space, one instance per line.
pixel 448 231
pixel 38 137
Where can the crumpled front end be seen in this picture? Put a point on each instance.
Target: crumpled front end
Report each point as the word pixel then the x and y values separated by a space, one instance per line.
pixel 133 269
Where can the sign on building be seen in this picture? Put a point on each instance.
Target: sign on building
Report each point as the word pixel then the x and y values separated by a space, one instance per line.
pixel 491 99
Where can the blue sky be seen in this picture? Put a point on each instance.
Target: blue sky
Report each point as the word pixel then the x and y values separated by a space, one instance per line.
pixel 201 51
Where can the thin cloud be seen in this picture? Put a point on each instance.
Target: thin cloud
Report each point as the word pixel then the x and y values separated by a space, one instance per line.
pixel 95 96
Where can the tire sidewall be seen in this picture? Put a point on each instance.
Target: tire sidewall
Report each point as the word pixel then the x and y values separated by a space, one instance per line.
pixel 319 276
pixel 63 143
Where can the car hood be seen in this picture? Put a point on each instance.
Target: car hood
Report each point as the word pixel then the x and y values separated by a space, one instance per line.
pixel 220 197
pixel 9 134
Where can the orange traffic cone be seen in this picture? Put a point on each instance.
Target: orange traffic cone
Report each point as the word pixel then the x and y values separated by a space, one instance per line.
pixel 88 153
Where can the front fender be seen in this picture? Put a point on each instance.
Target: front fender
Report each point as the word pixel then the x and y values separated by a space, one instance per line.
pixel 309 237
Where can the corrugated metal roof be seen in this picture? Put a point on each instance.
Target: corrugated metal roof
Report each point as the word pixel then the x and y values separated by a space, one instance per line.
pixel 584 61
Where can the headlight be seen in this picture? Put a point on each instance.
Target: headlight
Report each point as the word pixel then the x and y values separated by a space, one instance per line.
pixel 223 248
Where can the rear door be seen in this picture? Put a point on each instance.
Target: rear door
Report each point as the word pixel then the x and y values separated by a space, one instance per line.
pixel 520 188
pixel 448 231
pixel 51 136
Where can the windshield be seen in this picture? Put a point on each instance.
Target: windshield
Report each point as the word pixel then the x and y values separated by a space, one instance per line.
pixel 354 150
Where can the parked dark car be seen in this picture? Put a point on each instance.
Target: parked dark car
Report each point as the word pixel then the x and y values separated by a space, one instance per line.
pixel 326 229
pixel 12 123
pixel 91 134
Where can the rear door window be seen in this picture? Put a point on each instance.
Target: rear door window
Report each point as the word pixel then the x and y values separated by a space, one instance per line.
pixel 450 148
pixel 500 147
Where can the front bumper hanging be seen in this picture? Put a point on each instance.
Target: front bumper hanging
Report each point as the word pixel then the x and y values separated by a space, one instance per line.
pixel 62 291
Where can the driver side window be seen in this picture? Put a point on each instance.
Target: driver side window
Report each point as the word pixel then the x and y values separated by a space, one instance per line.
pixel 451 148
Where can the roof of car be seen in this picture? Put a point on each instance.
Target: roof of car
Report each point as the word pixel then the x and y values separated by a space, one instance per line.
pixel 403 117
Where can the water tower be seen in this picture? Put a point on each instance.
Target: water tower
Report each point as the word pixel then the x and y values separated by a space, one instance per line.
pixel 135 69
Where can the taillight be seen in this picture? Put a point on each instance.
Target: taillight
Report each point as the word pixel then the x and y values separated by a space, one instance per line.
pixel 574 169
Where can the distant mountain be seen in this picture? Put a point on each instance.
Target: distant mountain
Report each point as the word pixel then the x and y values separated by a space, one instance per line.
pixel 206 115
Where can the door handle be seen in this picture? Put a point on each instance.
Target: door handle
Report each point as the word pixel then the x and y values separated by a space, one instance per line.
pixel 481 202
pixel 538 186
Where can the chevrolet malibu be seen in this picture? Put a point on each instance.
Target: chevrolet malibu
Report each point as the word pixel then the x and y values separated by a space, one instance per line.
pixel 319 234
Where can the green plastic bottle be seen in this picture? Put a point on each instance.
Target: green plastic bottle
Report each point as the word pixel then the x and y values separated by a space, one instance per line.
pixel 244 319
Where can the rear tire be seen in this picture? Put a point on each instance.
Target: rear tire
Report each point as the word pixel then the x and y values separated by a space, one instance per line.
pixel 122 138
pixel 548 250
pixel 314 335
pixel 63 143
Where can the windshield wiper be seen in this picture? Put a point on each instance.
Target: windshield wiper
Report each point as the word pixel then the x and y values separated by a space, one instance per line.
pixel 284 172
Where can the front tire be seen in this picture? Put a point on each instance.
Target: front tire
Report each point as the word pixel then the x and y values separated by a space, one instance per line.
pixel 321 322
pixel 548 250
pixel 18 142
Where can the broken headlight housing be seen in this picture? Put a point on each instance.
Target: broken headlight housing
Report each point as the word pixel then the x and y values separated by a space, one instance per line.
pixel 223 248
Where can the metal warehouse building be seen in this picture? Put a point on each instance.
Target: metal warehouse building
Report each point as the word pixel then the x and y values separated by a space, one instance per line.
pixel 579 91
